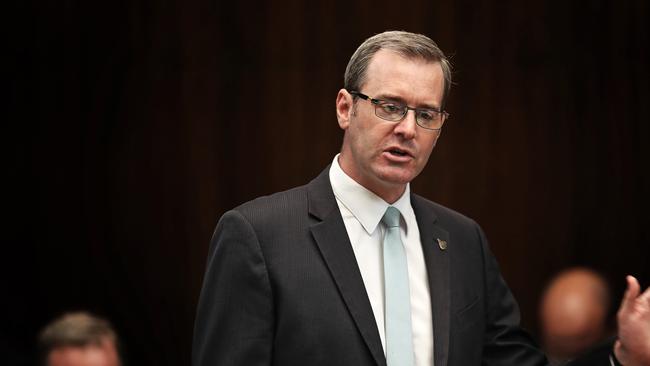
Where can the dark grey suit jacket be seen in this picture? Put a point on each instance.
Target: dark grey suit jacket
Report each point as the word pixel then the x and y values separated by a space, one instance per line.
pixel 282 287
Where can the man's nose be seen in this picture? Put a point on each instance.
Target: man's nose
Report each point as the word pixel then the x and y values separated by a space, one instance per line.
pixel 407 127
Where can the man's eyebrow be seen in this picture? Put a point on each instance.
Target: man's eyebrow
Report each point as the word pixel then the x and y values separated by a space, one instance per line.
pixel 391 97
pixel 400 100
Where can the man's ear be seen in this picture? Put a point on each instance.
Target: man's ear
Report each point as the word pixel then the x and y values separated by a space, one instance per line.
pixel 344 108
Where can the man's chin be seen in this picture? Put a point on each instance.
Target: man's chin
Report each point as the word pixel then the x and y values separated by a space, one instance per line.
pixel 396 177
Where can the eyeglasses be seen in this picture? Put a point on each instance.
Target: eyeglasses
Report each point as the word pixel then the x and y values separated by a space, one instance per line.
pixel 427 118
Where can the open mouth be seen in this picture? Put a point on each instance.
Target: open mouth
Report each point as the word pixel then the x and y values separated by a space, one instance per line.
pixel 398 152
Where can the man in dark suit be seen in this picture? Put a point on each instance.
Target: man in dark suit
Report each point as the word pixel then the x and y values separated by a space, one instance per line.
pixel 352 268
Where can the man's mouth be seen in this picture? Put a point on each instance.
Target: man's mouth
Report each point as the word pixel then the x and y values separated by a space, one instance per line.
pixel 398 152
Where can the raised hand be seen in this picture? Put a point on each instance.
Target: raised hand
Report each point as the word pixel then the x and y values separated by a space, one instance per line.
pixel 633 345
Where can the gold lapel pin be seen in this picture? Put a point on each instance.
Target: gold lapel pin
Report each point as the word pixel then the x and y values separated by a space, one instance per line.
pixel 442 244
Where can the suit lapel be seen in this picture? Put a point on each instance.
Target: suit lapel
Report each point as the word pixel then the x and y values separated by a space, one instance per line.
pixel 437 262
pixel 334 244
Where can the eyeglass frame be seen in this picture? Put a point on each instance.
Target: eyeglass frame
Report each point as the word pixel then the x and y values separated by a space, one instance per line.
pixel 377 103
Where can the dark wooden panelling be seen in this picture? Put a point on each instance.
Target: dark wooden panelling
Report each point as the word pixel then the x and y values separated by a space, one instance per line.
pixel 134 125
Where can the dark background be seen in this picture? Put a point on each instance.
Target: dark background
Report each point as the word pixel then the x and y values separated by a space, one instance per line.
pixel 133 125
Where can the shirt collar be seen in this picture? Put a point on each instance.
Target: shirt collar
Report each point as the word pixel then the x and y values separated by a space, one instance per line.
pixel 367 207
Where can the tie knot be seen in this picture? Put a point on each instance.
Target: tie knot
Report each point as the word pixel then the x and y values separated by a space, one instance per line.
pixel 391 217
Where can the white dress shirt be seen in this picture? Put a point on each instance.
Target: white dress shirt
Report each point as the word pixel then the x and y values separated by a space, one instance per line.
pixel 362 211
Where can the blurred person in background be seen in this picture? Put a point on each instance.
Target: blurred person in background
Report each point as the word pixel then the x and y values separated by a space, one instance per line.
pixel 79 339
pixel 574 314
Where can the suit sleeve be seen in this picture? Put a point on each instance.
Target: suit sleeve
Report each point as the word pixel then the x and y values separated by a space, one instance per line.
pixel 234 320
pixel 505 342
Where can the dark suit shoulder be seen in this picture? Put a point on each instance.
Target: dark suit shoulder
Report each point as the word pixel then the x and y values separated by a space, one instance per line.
pixel 265 210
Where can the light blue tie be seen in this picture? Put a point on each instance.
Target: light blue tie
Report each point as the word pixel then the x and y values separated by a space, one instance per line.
pixel 399 342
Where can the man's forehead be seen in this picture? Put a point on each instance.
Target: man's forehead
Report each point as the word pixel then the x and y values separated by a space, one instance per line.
pixel 391 74
pixel 391 58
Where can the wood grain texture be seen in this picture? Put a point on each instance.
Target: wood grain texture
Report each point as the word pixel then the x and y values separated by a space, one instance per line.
pixel 133 125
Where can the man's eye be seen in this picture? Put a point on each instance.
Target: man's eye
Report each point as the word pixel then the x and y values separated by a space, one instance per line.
pixel 391 108
pixel 426 115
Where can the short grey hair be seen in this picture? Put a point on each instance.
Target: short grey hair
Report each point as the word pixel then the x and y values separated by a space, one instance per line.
pixel 79 329
pixel 406 44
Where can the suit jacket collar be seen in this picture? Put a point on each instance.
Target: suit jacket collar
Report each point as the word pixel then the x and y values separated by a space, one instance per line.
pixel 334 244
pixel 436 257
pixel 321 199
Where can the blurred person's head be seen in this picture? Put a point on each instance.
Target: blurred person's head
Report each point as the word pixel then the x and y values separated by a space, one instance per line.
pixel 79 339
pixel 573 313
